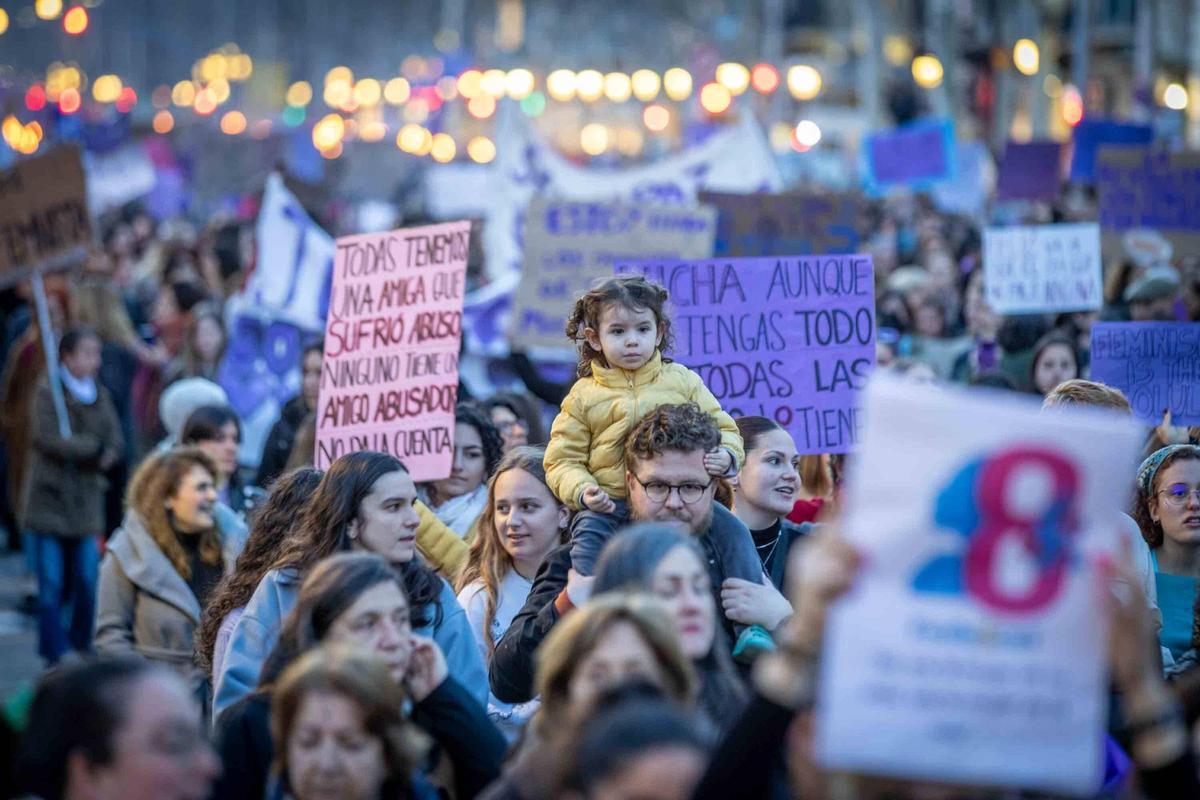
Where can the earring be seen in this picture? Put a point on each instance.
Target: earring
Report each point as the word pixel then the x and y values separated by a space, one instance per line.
pixel 352 534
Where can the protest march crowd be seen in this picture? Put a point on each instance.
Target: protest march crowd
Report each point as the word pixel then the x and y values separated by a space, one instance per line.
pixel 628 602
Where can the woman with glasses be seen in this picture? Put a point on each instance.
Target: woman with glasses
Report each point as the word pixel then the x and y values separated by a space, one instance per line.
pixel 1168 512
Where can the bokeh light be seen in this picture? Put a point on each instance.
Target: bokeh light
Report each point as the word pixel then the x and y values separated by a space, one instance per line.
pixel 163 122
pixel 656 117
pixel 927 71
pixel 1026 57
pixel 233 123
pixel 617 87
pixel 442 148
pixel 677 83
pixel 715 98
pixel 397 91
pixel 593 139
pixel 645 84
pixel 804 82
pixel 481 150
pixel 75 21
pixel 560 85
pixel 734 77
pixel 764 78
pixel 589 85
pixel 299 94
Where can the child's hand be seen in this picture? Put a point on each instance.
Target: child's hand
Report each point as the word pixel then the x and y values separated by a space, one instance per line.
pixel 718 462
pixel 596 499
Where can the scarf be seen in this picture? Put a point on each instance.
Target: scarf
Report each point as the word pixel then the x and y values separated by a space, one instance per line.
pixel 460 513
pixel 82 389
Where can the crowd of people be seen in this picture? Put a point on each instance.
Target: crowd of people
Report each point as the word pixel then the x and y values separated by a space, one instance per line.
pixel 628 606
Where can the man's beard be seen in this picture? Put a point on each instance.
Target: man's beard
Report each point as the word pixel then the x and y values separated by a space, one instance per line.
pixel 695 519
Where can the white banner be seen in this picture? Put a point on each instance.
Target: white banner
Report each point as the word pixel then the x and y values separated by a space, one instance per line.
pixel 282 308
pixel 1038 269
pixel 972 649
pixel 737 159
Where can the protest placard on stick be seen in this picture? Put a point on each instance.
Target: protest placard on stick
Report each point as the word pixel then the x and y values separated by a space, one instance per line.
pixel 389 380
pixel 43 213
pixel 1156 365
pixel 781 224
pixel 1043 268
pixel 570 245
pixel 971 649
pixel 789 338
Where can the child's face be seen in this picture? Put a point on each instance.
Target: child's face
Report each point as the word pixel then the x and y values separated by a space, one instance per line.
pixel 627 337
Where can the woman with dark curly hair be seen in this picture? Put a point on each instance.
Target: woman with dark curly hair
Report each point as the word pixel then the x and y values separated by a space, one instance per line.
pixel 459 499
pixel 269 527
pixel 1168 512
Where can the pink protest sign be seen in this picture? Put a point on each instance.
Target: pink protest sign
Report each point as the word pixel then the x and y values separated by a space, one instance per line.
pixel 389 380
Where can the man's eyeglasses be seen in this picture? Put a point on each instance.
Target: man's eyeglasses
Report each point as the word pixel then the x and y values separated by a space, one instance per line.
pixel 658 491
pixel 1177 495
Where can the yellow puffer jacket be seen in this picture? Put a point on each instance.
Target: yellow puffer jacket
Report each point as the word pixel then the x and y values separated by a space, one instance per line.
pixel 587 441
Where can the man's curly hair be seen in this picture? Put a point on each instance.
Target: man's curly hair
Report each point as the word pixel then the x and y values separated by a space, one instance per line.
pixel 683 428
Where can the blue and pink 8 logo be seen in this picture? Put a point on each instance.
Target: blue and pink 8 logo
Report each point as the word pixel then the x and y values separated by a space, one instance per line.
pixel 976 504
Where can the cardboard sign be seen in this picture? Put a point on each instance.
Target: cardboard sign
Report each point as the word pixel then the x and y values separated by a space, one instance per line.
pixel 280 310
pixel 1043 268
pixel 778 224
pixel 1090 135
pixel 43 212
pixel 1145 187
pixel 914 155
pixel 1156 365
pixel 971 649
pixel 570 245
pixel 1030 171
pixel 790 338
pixel 389 380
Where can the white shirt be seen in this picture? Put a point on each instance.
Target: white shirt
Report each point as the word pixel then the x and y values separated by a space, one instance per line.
pixel 511 596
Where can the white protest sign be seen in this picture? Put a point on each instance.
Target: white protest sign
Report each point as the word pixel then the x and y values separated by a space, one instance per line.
pixel 117 178
pixel 972 648
pixel 737 159
pixel 280 310
pixel 569 245
pixel 389 379
pixel 1039 269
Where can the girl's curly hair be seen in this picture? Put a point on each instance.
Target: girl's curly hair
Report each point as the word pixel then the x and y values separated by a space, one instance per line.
pixel 633 292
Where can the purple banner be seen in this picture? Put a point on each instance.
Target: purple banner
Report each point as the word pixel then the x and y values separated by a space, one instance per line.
pixel 914 155
pixel 1156 365
pixel 1029 171
pixel 1091 135
pixel 789 338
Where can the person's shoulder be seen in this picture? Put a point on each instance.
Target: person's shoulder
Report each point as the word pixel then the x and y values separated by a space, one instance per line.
pixel 470 593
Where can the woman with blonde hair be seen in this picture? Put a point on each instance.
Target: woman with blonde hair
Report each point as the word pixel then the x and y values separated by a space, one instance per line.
pixel 521 523
pixel 163 563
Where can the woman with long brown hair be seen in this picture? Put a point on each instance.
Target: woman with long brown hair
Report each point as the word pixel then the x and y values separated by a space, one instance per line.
pixel 163 564
pixel 365 501
pixel 520 524
pixel 269 527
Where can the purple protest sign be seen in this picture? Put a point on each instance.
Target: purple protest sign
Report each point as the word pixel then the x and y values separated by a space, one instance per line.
pixel 1030 171
pixel 914 155
pixel 789 338
pixel 1156 365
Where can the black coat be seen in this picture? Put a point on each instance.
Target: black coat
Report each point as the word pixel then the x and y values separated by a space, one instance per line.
pixel 280 440
pixel 510 674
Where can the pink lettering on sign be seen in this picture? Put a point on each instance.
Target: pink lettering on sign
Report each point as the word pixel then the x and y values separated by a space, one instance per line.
pixel 389 381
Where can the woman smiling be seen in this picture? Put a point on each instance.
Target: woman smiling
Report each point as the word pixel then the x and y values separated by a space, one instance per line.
pixel 163 563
